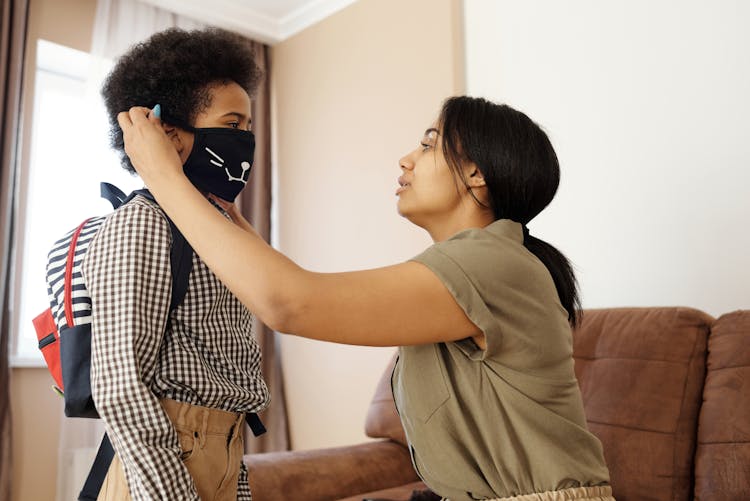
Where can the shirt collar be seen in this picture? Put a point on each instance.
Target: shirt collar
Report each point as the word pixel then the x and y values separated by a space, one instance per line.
pixel 506 228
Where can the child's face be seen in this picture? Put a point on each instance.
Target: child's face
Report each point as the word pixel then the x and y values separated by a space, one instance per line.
pixel 230 108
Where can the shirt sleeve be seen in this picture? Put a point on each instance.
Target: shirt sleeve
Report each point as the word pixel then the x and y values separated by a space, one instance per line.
pixel 461 265
pixel 128 274
pixel 243 485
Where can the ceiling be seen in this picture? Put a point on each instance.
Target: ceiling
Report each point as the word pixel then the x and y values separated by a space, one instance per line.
pixel 268 21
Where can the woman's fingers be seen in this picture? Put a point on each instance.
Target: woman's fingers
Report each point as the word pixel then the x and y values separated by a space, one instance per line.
pixel 150 151
pixel 135 116
pixel 123 118
pixel 139 114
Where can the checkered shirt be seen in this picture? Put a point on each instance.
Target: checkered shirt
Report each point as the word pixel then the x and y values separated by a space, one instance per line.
pixel 203 353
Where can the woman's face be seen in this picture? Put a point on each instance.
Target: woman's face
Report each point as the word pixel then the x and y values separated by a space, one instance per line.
pixel 229 107
pixel 428 190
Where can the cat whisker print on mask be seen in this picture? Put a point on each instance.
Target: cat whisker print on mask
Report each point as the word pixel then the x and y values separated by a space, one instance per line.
pixel 245 167
pixel 216 156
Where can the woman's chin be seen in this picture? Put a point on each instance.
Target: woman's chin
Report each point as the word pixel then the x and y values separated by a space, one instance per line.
pixel 402 209
pixel 407 214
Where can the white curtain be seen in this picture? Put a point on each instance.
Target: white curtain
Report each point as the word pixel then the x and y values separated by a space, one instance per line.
pixel 117 26
pixel 121 23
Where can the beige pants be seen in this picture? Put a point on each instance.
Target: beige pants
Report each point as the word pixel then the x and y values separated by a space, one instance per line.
pixel 212 446
pixel 577 493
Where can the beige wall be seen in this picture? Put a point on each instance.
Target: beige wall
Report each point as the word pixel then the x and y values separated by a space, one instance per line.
pixel 69 22
pixel 36 413
pixel 36 410
pixel 351 95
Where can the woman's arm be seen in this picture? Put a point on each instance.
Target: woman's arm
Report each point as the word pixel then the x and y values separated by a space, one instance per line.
pixel 397 305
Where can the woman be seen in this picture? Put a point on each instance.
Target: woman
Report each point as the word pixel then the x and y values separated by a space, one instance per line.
pixel 484 383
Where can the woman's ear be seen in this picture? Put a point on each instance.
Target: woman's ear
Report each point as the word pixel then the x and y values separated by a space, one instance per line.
pixel 474 177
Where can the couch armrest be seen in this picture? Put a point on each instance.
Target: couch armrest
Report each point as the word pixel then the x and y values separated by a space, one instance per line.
pixel 326 474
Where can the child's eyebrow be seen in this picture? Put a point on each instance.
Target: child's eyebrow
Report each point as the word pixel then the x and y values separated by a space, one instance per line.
pixel 240 116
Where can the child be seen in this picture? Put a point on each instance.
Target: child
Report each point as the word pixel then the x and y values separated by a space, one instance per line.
pixel 173 388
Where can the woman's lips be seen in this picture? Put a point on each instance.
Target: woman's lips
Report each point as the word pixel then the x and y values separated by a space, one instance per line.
pixel 403 184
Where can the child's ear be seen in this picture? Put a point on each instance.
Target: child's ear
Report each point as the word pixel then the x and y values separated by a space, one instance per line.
pixel 176 136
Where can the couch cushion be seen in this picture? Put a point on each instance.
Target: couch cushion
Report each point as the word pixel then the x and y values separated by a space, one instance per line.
pixel 382 417
pixel 722 461
pixel 327 474
pixel 641 372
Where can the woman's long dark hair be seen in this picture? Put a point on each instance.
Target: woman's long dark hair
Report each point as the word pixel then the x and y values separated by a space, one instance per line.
pixel 520 169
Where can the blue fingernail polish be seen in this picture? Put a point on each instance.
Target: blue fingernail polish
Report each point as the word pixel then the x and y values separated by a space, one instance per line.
pixel 157 111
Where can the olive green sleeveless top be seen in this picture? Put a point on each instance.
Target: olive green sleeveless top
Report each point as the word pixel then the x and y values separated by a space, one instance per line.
pixel 507 420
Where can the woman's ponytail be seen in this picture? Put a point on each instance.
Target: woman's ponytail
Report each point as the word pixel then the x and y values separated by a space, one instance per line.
pixel 562 274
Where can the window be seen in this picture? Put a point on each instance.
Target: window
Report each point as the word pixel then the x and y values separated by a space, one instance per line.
pixel 69 156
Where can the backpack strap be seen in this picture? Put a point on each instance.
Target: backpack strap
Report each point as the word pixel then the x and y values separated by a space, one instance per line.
pixel 112 193
pixel 181 256
pixel 181 259
pixel 68 281
pixel 98 472
pixel 256 425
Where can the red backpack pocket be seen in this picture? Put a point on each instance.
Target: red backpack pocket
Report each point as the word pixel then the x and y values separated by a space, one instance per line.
pixel 49 344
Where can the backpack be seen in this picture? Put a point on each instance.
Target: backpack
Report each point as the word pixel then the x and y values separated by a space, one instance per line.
pixel 65 338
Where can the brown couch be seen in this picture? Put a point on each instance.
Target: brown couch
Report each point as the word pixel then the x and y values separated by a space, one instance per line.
pixel 664 389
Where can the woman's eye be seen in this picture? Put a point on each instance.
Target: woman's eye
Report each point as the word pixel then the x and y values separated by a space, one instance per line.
pixel 425 146
pixel 234 125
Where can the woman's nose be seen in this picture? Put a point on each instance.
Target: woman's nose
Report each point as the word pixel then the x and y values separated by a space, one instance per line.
pixel 406 162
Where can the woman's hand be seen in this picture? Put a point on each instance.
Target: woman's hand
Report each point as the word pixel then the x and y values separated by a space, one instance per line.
pixel 150 150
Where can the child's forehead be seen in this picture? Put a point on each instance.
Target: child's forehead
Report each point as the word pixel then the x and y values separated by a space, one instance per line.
pixel 229 97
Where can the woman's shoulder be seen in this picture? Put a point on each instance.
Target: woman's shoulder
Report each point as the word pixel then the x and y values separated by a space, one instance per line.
pixel 489 264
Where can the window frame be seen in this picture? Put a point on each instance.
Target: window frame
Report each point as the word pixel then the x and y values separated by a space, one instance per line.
pixel 81 74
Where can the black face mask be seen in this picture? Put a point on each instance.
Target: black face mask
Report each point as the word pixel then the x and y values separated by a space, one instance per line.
pixel 220 160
